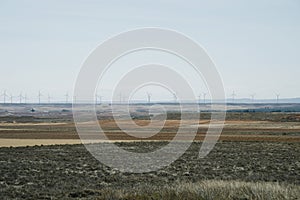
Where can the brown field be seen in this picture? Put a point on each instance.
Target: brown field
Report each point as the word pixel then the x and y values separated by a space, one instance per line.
pixel 65 133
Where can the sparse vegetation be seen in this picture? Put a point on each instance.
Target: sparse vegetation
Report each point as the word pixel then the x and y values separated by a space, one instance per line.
pixel 204 190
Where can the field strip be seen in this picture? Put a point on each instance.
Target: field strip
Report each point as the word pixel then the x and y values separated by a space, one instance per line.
pixel 33 142
pixel 12 142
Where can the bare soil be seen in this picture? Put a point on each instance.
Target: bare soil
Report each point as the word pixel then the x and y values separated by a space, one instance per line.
pixel 68 171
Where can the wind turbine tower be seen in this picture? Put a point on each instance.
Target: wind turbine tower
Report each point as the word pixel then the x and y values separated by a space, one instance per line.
pixel 252 97
pixel 120 95
pixel 20 97
pixel 175 97
pixel 204 98
pixel 199 98
pixel 233 95
pixel 74 99
pixel 4 96
pixel 98 97
pixel 49 98
pixel 277 98
pixel 11 99
pixel 149 97
pixel 39 96
pixel 67 97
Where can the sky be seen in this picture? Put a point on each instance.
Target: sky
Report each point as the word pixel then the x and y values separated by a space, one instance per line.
pixel 254 44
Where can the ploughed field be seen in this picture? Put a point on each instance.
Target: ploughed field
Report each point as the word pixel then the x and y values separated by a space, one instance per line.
pixel 69 171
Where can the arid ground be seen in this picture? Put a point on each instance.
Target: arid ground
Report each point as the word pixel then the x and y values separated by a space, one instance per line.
pixel 42 156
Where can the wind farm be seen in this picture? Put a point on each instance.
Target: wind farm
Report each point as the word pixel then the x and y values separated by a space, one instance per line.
pixel 201 98
pixel 47 127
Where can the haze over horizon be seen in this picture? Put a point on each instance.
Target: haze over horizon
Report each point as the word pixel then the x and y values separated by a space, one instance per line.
pixel 255 45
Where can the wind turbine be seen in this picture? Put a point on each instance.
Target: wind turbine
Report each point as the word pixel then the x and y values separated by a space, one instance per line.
pixel 39 96
pixel 252 97
pixel 199 98
pixel 277 98
pixel 149 97
pixel 204 97
pixel 174 97
pixel 49 98
pixel 98 97
pixel 11 99
pixel 25 98
pixel 120 95
pixel 124 99
pixel 74 99
pixel 67 97
pixel 20 97
pixel 4 96
pixel 233 95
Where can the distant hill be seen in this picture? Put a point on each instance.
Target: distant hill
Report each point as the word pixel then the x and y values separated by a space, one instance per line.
pixel 248 100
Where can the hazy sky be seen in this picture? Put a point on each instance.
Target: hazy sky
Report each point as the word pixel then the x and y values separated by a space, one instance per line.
pixel 255 44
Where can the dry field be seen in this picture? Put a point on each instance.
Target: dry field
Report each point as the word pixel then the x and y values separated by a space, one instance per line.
pixel 257 157
pixel 61 129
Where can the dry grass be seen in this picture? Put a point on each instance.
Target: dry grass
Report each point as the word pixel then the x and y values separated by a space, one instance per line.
pixel 207 190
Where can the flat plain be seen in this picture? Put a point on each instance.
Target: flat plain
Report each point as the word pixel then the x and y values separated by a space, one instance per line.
pixel 257 157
